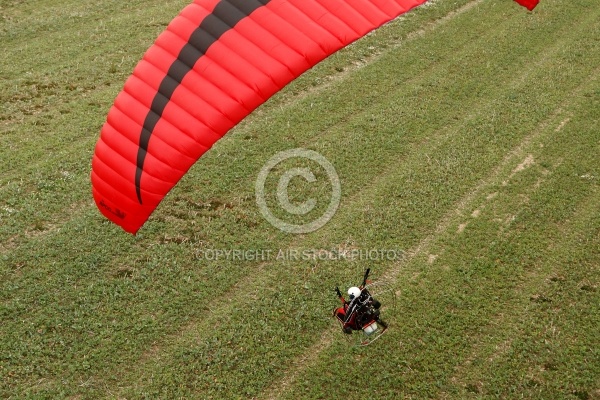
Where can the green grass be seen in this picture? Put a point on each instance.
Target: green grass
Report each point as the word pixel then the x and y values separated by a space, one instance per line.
pixel 465 135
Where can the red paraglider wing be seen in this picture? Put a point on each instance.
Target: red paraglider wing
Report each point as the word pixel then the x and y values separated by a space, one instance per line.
pixel 213 65
pixel 530 4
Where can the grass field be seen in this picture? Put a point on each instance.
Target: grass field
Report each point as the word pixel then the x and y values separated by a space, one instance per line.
pixel 466 136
